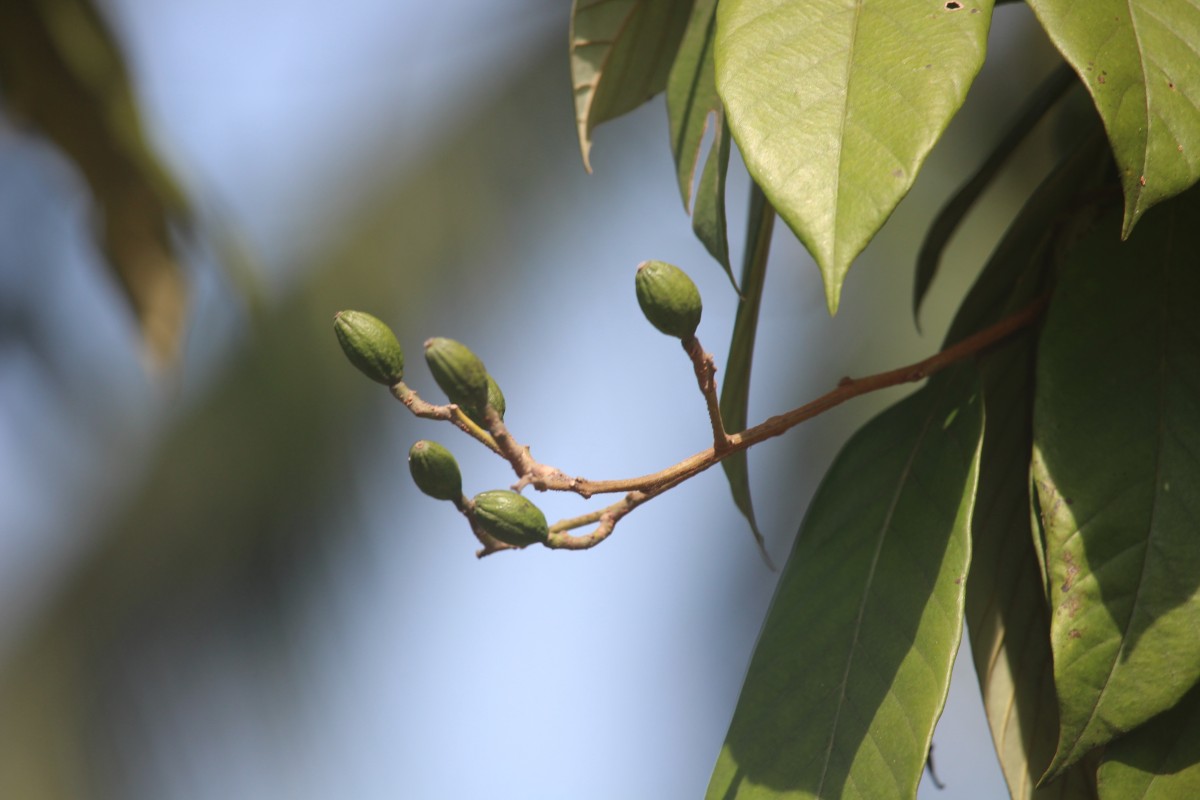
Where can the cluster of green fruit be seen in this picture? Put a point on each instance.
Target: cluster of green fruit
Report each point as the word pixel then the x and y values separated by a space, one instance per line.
pixel 371 346
pixel 666 295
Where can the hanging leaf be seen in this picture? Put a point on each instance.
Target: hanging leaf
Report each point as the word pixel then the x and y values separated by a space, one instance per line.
pixel 1116 431
pixel 951 215
pixel 692 103
pixel 621 54
pixel 61 71
pixel 1007 613
pixel 1138 60
pixel 835 106
pixel 853 663
pixel 735 389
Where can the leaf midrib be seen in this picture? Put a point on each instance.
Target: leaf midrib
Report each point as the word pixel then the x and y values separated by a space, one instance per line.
pixel 1141 60
pixel 905 474
pixel 841 135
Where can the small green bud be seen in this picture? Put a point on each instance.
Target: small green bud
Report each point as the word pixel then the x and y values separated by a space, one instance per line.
pixel 496 397
pixel 370 345
pixel 495 400
pixel 435 471
pixel 460 373
pixel 668 298
pixel 510 517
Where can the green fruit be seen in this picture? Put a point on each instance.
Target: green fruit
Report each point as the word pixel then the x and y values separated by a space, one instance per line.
pixel 495 400
pixel 460 373
pixel 435 471
pixel 496 397
pixel 668 298
pixel 370 345
pixel 510 517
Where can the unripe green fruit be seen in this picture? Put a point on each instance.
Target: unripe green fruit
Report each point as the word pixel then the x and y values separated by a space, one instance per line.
pixel 495 400
pixel 459 373
pixel 668 298
pixel 435 471
pixel 370 345
pixel 510 517
pixel 496 397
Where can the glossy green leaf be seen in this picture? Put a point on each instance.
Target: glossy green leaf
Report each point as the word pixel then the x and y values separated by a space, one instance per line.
pixel 1140 60
pixel 692 102
pixel 951 215
pixel 621 54
pixel 853 663
pixel 1158 761
pixel 1008 618
pixel 835 106
pixel 61 70
pixel 735 389
pixel 1117 468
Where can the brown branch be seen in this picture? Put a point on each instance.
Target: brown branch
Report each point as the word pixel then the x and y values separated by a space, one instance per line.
pixel 450 413
pixel 847 388
pixel 529 471
pixel 706 378
pixel 608 518
pixel 641 489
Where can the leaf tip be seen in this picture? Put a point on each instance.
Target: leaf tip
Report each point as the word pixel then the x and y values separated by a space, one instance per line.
pixel 585 151
pixel 1132 215
pixel 1065 757
pixel 833 294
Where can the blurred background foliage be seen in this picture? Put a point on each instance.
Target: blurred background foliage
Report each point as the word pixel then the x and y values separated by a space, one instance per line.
pixel 62 74
pixel 215 580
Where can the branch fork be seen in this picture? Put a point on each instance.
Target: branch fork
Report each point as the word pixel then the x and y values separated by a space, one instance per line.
pixel 543 477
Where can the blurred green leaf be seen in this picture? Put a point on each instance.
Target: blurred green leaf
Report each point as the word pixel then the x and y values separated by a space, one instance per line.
pixel 735 389
pixel 1138 60
pixel 691 102
pixel 62 71
pixel 951 215
pixel 248 477
pixel 853 663
pixel 1116 434
pixel 835 107
pixel 1158 761
pixel 621 54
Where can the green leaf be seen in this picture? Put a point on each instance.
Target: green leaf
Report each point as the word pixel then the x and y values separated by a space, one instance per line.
pixel 835 106
pixel 1008 618
pixel 1158 761
pixel 691 102
pixel 1117 441
pixel 853 663
pixel 1139 61
pixel 62 71
pixel 956 208
pixel 735 389
pixel 621 54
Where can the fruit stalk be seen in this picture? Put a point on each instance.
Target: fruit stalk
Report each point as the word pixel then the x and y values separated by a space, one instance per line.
pixel 706 378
